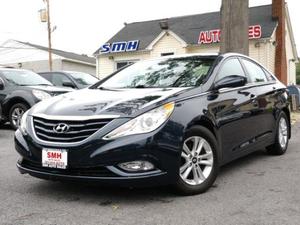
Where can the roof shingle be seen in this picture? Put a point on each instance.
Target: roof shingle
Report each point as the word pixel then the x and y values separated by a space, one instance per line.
pixel 189 27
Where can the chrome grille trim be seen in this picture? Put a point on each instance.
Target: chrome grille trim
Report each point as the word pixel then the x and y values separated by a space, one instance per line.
pixel 71 132
pixel 79 130
pixel 61 139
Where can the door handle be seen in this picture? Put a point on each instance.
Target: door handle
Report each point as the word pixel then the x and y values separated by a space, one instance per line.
pixel 252 96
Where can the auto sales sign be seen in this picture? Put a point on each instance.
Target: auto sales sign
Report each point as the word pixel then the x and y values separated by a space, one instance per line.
pixel 121 46
pixel 213 36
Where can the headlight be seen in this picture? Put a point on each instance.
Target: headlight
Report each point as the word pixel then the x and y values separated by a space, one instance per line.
pixel 23 125
pixel 144 123
pixel 41 95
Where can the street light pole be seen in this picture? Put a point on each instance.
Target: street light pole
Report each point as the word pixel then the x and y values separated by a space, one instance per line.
pixel 49 35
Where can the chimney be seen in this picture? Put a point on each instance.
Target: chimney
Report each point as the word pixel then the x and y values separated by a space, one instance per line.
pixel 278 13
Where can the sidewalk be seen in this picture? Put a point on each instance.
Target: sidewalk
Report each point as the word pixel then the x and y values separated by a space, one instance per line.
pixel 295 116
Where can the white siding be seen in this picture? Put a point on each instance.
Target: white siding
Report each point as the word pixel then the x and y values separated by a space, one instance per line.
pixel 291 66
pixel 167 44
pixel 264 52
pixel 106 65
pixel 38 66
pixel 204 48
pixel 73 66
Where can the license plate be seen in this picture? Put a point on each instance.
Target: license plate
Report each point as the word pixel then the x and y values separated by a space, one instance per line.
pixel 55 158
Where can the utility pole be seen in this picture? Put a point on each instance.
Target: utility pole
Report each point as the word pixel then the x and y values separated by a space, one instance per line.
pixel 235 26
pixel 49 35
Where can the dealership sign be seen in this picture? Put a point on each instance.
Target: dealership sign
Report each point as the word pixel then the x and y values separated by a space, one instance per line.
pixel 213 36
pixel 121 46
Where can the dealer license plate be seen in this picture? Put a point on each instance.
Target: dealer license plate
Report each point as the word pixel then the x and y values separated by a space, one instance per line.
pixel 55 158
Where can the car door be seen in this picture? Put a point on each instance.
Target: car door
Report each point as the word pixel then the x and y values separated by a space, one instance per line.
pixel 266 93
pixel 232 110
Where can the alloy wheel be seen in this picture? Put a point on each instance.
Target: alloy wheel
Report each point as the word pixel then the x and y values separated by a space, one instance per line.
pixel 196 160
pixel 282 133
pixel 16 116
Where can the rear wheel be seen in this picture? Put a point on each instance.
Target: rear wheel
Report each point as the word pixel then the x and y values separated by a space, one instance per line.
pixel 282 136
pixel 15 114
pixel 199 162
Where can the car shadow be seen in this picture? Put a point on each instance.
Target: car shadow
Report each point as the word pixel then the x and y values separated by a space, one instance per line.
pixel 6 126
pixel 111 195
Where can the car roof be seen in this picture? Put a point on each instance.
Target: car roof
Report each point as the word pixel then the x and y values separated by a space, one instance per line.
pixel 13 69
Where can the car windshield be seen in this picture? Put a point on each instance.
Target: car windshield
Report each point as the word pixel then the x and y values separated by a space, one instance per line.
pixel 170 72
pixel 83 79
pixel 24 78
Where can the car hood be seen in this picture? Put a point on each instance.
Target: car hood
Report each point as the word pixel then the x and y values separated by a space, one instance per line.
pixel 49 89
pixel 91 102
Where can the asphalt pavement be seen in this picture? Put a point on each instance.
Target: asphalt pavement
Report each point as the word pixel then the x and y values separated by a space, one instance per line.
pixel 258 189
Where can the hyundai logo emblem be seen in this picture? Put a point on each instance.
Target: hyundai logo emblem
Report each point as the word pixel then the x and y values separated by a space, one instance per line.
pixel 61 128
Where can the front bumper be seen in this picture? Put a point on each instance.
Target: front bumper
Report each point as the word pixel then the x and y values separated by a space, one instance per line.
pixel 145 180
pixel 97 160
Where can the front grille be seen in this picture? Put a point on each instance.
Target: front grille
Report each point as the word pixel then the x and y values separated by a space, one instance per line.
pixel 78 130
pixel 99 171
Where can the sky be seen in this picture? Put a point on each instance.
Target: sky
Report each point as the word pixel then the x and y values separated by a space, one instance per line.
pixel 84 25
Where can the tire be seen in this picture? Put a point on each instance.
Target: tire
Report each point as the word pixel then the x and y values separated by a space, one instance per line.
pixel 15 114
pixel 282 133
pixel 192 184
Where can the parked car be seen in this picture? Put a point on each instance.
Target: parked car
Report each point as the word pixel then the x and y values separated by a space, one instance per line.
pixel 171 120
pixel 295 90
pixel 72 79
pixel 20 90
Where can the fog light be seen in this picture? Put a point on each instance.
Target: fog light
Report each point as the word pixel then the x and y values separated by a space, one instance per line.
pixel 136 166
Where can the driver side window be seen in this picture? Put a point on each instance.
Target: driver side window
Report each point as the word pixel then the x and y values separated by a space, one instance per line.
pixel 230 67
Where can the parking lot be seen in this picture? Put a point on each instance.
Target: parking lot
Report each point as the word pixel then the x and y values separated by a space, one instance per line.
pixel 258 189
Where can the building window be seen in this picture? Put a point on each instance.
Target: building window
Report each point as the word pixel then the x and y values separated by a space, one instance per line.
pixel 124 63
pixel 167 53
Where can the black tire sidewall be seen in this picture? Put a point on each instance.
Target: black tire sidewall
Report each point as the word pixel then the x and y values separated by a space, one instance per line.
pixel 18 105
pixel 187 189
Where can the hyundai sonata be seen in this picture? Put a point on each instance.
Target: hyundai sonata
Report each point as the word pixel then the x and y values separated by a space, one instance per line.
pixel 173 120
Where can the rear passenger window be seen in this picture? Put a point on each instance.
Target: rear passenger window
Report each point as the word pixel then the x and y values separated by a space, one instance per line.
pixel 231 67
pixel 270 77
pixel 255 72
pixel 59 79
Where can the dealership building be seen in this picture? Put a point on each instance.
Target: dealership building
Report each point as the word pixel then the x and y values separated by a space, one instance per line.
pixel 271 40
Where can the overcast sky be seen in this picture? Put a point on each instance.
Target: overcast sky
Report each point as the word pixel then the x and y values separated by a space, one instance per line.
pixel 83 25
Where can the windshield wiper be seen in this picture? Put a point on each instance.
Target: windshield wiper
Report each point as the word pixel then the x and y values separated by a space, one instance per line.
pixel 43 84
pixel 140 86
pixel 106 89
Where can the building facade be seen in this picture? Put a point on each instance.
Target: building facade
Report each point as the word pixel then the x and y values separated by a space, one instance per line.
pixel 33 57
pixel 200 34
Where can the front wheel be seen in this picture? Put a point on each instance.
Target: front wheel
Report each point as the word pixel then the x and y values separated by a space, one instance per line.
pixel 15 114
pixel 282 136
pixel 199 162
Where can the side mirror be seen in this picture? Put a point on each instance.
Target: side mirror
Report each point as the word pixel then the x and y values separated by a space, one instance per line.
pixel 1 84
pixel 68 84
pixel 230 82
